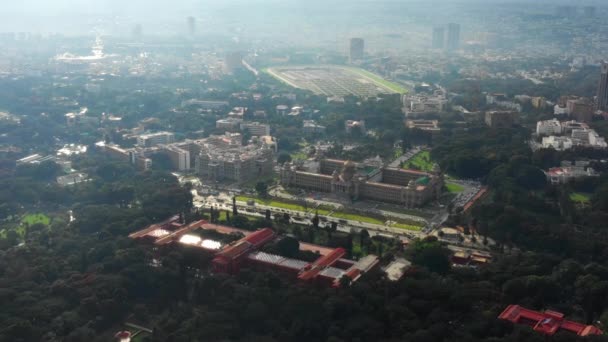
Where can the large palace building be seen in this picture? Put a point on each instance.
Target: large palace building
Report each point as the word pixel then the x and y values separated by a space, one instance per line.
pixel 358 181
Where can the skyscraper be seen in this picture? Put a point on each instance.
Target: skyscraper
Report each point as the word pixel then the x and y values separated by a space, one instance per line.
pixel 357 46
pixel 233 61
pixel 137 32
pixel 453 36
pixel 602 89
pixel 191 26
pixel 438 37
pixel 589 11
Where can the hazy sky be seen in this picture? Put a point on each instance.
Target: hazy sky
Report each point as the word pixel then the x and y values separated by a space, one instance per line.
pixel 119 16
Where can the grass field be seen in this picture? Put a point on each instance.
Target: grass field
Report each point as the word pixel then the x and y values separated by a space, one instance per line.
pixel 580 197
pixel 299 156
pixel 454 188
pixel 26 220
pixel 406 226
pixel 334 80
pixel 31 219
pixel 421 161
pixel 278 204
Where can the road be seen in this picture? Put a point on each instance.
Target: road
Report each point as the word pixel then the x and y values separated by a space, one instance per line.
pixel 299 217
pixel 305 218
pixel 405 157
pixel 361 206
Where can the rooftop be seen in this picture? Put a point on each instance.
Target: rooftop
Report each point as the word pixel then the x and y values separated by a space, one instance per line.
pixel 547 322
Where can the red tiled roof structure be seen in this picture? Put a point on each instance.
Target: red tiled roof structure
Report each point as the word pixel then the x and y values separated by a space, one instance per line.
pixel 479 195
pixel 548 322
pixel 227 260
pixel 320 264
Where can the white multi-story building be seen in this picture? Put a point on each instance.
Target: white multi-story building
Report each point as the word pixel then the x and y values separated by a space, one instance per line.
pixel 581 135
pixel 570 171
pixel 548 127
pixel 311 127
pixel 421 104
pixel 569 126
pixel 501 100
pixel 256 128
pixel 229 124
pixel 180 158
pixel 237 112
pixel 596 141
pixel 559 110
pixel 153 139
pixel 557 143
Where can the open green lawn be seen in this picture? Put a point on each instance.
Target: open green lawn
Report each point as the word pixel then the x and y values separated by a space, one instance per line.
pixel 299 156
pixel 454 188
pixel 406 226
pixel 26 220
pixel 373 220
pixel 580 197
pixel 421 161
pixel 31 219
pixel 278 204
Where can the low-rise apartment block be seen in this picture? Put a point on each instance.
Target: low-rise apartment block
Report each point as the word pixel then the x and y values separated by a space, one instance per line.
pixel 310 127
pixel 501 119
pixel 431 126
pixel 416 105
pixel 256 128
pixel 228 124
pixel 153 139
pixel 570 171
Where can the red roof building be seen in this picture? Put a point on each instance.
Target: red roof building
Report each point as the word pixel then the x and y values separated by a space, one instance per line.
pixel 547 322
pixel 229 259
pixel 328 269
pixel 321 264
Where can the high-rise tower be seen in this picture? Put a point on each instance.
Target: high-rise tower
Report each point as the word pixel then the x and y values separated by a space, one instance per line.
pixel 357 46
pixel 191 26
pixel 438 37
pixel 589 11
pixel 453 36
pixel 602 89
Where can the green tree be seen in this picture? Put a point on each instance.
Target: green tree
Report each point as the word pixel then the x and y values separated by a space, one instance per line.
pixel 283 158
pixel 288 247
pixel 430 254
pixel 262 189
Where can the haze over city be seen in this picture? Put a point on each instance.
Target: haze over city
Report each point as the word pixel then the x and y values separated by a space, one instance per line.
pixel 271 170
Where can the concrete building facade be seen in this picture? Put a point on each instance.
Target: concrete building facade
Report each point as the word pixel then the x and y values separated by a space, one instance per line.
pixel 256 128
pixel 409 188
pixel 236 163
pixel 357 49
pixel 153 139
pixel 438 38
pixel 453 36
pixel 500 119
pixel 602 89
